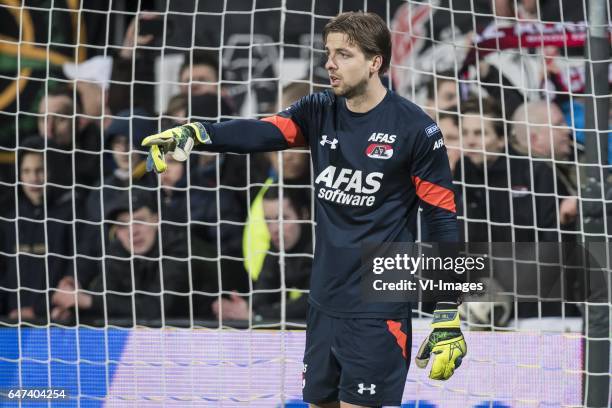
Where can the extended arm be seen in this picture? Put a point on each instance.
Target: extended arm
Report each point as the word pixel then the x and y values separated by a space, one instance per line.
pixel 238 136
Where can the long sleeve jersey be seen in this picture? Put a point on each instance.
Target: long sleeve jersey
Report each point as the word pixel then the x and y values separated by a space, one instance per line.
pixel 372 171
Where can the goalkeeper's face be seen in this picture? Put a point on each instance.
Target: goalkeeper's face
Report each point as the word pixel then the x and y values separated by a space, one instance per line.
pixel 350 71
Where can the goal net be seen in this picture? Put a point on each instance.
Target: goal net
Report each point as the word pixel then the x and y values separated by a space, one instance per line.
pixel 121 287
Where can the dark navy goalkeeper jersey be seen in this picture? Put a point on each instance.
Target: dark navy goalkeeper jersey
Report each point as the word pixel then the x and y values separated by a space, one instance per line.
pixel 372 171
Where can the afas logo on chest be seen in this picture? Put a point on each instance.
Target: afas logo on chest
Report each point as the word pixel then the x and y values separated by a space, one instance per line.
pixel 382 138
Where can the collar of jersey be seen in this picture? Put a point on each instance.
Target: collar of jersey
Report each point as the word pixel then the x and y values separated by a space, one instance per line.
pixel 359 114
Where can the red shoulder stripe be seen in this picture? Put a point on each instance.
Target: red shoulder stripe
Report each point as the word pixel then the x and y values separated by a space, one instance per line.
pixel 434 194
pixel 290 130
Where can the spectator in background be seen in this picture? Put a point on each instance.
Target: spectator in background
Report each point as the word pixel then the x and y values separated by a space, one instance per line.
pixel 57 115
pixel 498 206
pixel 295 171
pixel 125 167
pixel 539 130
pixel 514 77
pixel 441 93
pixel 185 211
pixel 497 74
pixel 295 168
pixel 199 76
pixel 60 121
pixel 203 78
pixel 133 77
pixel 218 190
pixel 217 213
pixel 123 138
pixel 76 156
pixel 483 134
pixel 296 247
pixel 140 278
pixel 210 198
pixel 39 242
pixel 507 198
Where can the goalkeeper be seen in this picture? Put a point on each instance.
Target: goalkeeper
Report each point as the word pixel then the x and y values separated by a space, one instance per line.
pixel 376 158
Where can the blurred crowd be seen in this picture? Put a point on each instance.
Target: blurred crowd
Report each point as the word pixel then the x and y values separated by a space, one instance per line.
pixel 87 235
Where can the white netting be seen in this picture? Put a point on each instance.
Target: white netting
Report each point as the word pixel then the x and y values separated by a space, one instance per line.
pixel 507 81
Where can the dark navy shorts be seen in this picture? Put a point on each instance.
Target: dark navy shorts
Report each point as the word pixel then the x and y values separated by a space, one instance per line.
pixel 359 361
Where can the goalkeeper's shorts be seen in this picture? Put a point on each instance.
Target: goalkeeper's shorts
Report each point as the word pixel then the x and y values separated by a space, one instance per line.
pixel 358 361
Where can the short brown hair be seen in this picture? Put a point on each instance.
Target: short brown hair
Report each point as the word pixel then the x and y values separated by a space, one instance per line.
pixel 367 31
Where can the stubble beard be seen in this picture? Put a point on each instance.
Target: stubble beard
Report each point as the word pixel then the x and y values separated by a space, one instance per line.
pixel 353 91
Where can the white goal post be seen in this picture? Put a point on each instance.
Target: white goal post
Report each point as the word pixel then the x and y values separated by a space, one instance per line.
pixel 122 303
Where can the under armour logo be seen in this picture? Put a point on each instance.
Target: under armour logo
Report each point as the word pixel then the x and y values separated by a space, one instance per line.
pixel 371 388
pixel 324 140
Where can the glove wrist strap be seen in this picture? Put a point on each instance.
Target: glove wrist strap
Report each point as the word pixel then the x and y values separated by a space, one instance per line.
pixel 446 306
pixel 199 132
pixel 446 316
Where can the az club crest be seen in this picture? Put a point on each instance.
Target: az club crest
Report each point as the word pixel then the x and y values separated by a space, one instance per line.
pixel 379 151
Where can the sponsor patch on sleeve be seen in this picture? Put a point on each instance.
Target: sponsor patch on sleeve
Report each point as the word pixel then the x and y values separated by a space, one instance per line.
pixel 432 130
